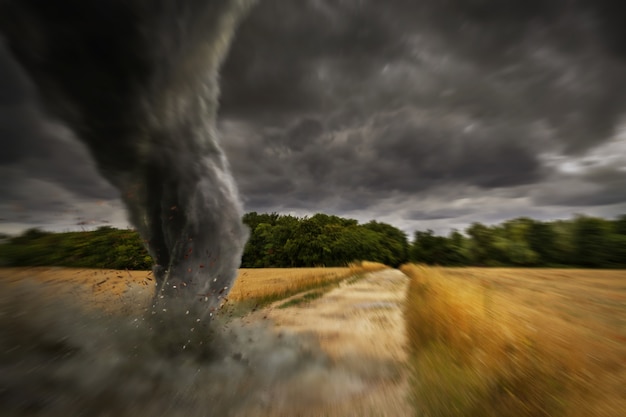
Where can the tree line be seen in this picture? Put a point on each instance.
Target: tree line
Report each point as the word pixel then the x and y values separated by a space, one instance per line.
pixel 275 241
pixel 583 241
pixel 105 247
pixel 321 240
pixel 324 240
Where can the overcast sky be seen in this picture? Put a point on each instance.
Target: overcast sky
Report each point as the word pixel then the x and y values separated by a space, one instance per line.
pixel 423 114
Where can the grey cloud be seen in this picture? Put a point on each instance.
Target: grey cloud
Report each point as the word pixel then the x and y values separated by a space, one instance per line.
pixel 339 106
pixel 440 214
pixel 481 27
pixel 20 134
pixel 435 152
pixel 493 60
pixel 15 86
pixel 35 148
pixel 597 178
pixel 467 93
pixel 576 197
pixel 43 202
pixel 288 55
pixel 597 187
pixel 392 154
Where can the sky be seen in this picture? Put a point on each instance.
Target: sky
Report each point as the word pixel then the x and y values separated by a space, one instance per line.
pixel 422 114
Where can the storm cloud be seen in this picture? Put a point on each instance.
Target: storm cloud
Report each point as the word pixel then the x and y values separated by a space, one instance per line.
pixel 417 113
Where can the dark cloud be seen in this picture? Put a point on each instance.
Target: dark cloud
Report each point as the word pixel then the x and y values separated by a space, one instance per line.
pixel 558 61
pixel 15 85
pixel 33 147
pixel 353 105
pixel 593 183
pixel 441 214
pixel 291 57
pixel 468 93
pixel 392 153
pixel 44 169
pixel 585 196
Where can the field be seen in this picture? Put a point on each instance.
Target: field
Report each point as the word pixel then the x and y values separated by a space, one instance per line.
pixel 333 355
pixel 264 285
pixel 478 342
pixel 109 289
pixel 517 342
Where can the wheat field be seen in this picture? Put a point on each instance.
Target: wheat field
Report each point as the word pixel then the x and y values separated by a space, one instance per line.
pixel 517 342
pixel 277 283
pixel 109 289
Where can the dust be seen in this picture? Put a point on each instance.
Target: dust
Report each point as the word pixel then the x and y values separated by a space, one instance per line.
pixel 59 359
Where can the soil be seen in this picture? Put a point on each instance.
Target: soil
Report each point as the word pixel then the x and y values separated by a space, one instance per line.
pixel 360 327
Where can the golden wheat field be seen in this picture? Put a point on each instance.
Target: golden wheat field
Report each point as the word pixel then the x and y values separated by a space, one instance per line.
pixel 517 342
pixel 103 320
pixel 483 342
pixel 109 289
pixel 276 283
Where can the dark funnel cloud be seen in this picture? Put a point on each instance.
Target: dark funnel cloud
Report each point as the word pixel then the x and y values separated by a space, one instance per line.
pixel 137 82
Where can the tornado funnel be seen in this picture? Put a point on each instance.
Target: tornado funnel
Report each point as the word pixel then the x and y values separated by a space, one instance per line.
pixel 137 81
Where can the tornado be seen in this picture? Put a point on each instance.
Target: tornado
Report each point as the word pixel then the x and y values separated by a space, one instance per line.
pixel 138 83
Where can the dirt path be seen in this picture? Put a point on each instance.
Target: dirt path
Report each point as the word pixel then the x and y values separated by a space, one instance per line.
pixel 338 355
pixel 359 326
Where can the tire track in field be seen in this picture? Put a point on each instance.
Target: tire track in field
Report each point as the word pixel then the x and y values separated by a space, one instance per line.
pixel 359 327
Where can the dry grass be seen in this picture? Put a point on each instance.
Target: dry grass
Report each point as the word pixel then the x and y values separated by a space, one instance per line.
pixel 517 342
pixel 110 289
pixel 266 285
pixel 105 289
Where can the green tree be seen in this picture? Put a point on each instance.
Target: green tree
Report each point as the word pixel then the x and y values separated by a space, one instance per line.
pixel 457 249
pixel 617 251
pixel 392 238
pixel 105 247
pixel 564 245
pixel 619 225
pixel 592 241
pixel 482 247
pixel 542 240
pixel 431 249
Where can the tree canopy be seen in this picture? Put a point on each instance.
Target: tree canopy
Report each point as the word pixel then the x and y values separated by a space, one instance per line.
pixel 583 241
pixel 325 240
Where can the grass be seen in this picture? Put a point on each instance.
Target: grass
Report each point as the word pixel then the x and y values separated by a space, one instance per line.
pixel 509 343
pixel 307 297
pixel 113 289
pixel 105 289
pixel 255 288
